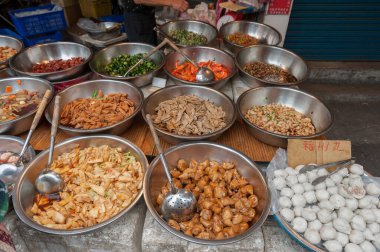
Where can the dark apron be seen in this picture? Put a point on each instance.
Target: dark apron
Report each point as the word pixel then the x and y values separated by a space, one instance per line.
pixel 139 27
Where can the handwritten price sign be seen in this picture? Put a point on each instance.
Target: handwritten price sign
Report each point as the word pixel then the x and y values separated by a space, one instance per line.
pixel 317 151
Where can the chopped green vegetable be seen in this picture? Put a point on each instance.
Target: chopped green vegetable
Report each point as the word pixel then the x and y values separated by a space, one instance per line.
pixel 95 93
pixel 120 65
pixel 188 38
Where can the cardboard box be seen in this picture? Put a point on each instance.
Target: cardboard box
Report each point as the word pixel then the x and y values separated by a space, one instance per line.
pixel 65 3
pixel 72 14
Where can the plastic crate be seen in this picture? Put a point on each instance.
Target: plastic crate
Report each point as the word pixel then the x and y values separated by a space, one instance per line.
pixel 42 39
pixel 7 32
pixel 39 23
pixel 95 8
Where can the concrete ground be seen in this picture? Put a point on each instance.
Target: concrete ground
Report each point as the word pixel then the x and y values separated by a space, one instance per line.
pixel 352 92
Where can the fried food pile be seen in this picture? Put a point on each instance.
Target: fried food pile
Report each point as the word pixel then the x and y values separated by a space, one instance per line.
pixel 97 112
pixel 189 115
pixel 225 200
pixel 100 182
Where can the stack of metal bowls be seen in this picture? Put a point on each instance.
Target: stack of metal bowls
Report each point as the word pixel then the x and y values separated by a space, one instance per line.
pixel 198 54
pixel 85 90
pixel 23 123
pixel 103 58
pixel 265 34
pixel 218 98
pixel 302 102
pixel 198 27
pixel 12 43
pixel 23 62
pixel 272 55
pixel 155 179
pixel 25 191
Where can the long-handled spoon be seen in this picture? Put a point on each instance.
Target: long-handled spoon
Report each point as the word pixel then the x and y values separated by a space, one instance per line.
pixel 49 182
pixel 178 204
pixel 9 172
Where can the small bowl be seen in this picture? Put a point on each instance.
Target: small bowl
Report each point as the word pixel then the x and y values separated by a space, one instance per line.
pixel 218 98
pixel 103 57
pixel 199 27
pixel 15 144
pixel 85 90
pixel 155 179
pixel 266 34
pixel 12 43
pixel 25 191
pixel 198 54
pixel 23 62
pixel 23 123
pixel 272 55
pixel 302 102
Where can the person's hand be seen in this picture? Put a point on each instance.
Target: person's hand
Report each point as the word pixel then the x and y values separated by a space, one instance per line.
pixel 181 5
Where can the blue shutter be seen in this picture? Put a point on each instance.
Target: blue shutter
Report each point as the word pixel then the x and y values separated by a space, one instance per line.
pixel 335 29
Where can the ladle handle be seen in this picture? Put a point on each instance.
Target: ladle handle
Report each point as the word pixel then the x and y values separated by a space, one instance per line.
pixel 160 151
pixel 35 122
pixel 174 46
pixel 154 50
pixel 54 127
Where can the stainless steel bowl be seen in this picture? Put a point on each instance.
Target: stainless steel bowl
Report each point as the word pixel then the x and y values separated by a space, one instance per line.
pixel 199 27
pixel 302 102
pixel 218 98
pixel 104 57
pixel 273 55
pixel 12 43
pixel 15 144
pixel 198 54
pixel 110 30
pixel 25 191
pixel 155 179
pixel 266 34
pixel 23 123
pixel 22 63
pixel 85 90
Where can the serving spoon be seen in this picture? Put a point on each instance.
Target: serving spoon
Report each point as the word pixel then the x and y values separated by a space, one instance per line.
pixel 9 172
pixel 178 204
pixel 50 182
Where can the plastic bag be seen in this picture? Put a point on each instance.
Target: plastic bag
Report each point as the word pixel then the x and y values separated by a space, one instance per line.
pixel 279 161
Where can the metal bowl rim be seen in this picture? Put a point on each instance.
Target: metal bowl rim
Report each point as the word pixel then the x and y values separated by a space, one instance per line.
pixel 192 21
pixel 20 141
pixel 191 137
pixel 127 77
pixel 98 130
pixel 11 63
pixel 42 81
pixel 179 234
pixel 232 73
pixel 25 219
pixel 278 135
pixel 250 22
pixel 241 68
pixel 18 51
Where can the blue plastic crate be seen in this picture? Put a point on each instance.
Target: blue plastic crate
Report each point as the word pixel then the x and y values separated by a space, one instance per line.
pixel 39 23
pixel 42 39
pixel 7 32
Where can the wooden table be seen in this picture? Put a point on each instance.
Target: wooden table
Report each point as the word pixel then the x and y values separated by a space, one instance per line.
pixel 236 137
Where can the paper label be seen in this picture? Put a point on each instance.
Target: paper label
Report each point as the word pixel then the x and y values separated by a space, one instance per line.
pixel 317 151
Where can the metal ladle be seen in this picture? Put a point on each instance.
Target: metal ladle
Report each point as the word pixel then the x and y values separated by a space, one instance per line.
pixel 9 172
pixel 204 74
pixel 50 182
pixel 178 204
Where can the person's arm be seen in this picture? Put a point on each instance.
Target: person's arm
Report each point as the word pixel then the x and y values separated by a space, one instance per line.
pixel 181 5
